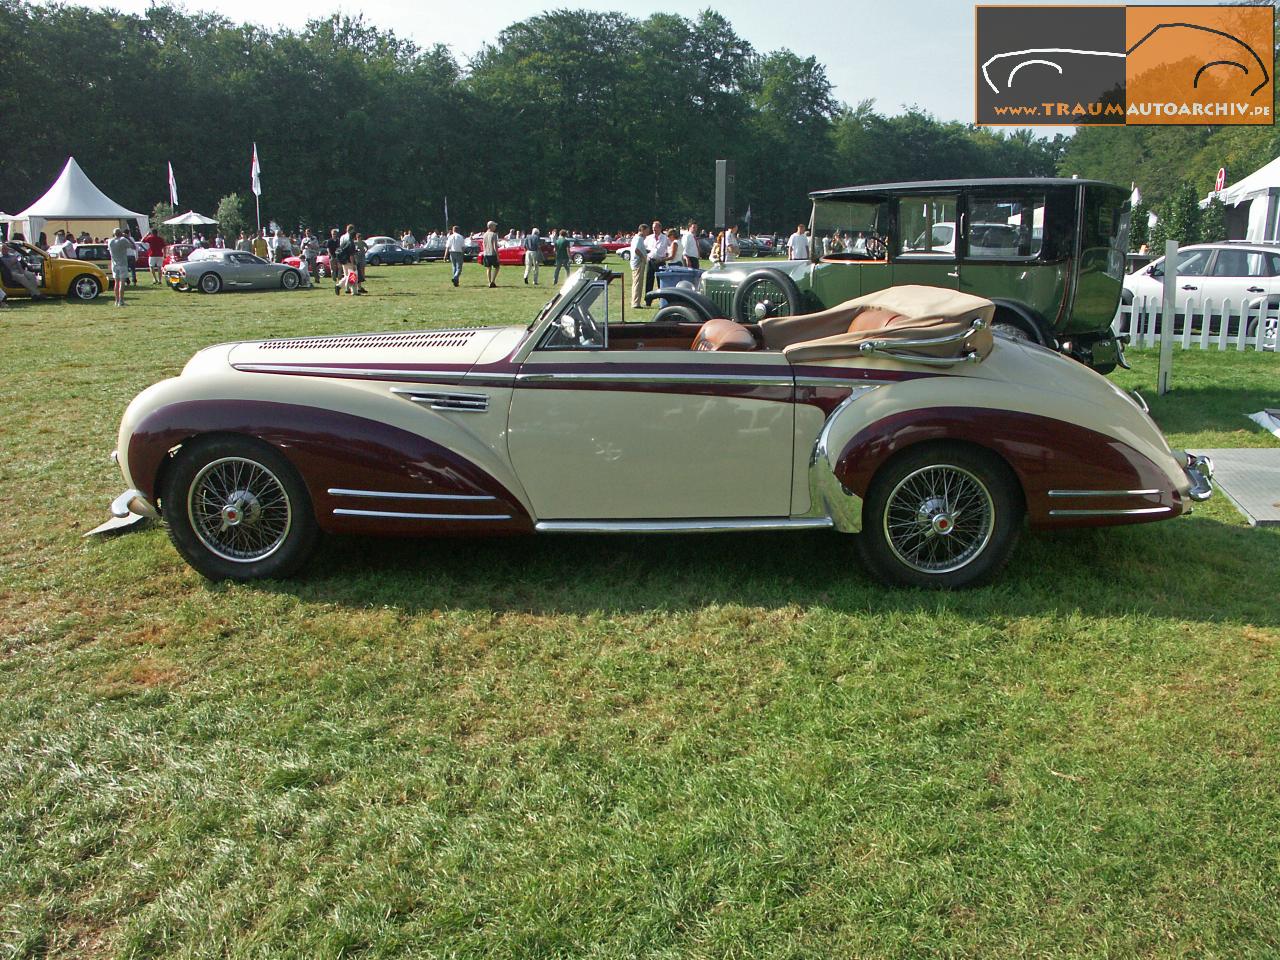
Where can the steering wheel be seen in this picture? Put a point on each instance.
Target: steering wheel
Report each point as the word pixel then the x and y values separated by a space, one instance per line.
pixel 588 329
pixel 876 247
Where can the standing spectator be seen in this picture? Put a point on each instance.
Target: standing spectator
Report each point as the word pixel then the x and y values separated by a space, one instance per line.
pixel 561 244
pixel 68 249
pixel 346 273
pixel 455 248
pixel 220 242
pixel 119 246
pixel 310 252
pixel 639 265
pixel 489 250
pixel 717 249
pixel 244 244
pixel 279 247
pixel 155 255
pixel 798 244
pixel 659 249
pixel 532 255
pixel 689 250
pixel 361 248
pixel 134 255
pixel 731 247
pixel 407 240
pixel 331 247
pixel 260 245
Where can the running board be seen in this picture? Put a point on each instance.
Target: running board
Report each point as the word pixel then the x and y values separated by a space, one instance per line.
pixel 711 525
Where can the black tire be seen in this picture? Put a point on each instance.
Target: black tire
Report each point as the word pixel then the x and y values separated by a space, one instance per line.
pixel 938 542
pixel 765 284
pixel 272 543
pixel 84 288
pixel 375 261
pixel 677 312
pixel 210 283
pixel 290 280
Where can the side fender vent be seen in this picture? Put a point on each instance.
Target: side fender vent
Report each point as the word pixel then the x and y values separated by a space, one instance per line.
pixel 436 338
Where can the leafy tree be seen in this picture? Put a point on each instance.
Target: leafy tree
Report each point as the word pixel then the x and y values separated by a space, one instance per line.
pixel 230 216
pixel 161 212
pixel 1180 215
pixel 1213 221
pixel 1139 231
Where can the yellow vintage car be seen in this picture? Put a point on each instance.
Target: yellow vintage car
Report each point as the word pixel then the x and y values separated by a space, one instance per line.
pixel 74 279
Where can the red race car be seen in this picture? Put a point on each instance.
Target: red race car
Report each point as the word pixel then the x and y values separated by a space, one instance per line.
pixel 322 264
pixel 511 253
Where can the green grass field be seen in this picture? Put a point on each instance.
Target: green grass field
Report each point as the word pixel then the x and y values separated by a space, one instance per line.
pixel 721 746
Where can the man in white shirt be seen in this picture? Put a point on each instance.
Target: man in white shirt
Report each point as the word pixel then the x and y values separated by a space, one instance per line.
pixel 659 249
pixel 532 255
pixel 731 248
pixel 689 251
pixel 639 265
pixel 489 251
pixel 798 244
pixel 455 248
pixel 119 247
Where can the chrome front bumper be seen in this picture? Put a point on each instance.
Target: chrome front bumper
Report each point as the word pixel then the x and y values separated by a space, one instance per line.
pixel 1199 471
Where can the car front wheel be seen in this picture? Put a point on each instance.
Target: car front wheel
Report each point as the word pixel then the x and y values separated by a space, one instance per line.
pixel 237 510
pixel 85 288
pixel 941 516
pixel 290 280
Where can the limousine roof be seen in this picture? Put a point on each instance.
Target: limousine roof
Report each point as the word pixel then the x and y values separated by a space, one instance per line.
pixel 916 186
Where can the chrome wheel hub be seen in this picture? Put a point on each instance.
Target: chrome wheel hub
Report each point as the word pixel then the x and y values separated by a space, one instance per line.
pixel 239 509
pixel 939 518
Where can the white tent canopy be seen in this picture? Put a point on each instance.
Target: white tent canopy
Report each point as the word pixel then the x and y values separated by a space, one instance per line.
pixel 73 200
pixel 1263 217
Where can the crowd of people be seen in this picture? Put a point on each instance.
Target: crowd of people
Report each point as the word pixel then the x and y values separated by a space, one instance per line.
pixel 649 248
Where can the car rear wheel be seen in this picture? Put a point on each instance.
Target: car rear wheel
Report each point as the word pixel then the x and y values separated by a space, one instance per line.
pixel 290 280
pixel 375 261
pixel 210 283
pixel 579 259
pixel 941 516
pixel 768 289
pixel 85 288
pixel 237 510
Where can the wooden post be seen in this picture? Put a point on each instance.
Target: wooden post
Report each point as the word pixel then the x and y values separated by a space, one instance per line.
pixel 1168 310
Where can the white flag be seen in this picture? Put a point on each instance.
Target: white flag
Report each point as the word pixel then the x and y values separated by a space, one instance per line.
pixel 1135 198
pixel 173 189
pixel 254 170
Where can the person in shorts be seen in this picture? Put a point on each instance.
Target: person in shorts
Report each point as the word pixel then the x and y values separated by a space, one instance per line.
pixel 489 252
pixel 119 246
pixel 155 255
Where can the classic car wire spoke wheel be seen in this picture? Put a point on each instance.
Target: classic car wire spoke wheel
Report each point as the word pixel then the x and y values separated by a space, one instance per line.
pixel 939 518
pixel 766 289
pixel 941 515
pixel 237 509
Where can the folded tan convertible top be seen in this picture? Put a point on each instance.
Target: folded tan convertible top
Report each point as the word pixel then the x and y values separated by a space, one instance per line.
pixel 901 317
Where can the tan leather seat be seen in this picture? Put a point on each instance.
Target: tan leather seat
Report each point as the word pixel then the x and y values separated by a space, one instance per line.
pixel 721 334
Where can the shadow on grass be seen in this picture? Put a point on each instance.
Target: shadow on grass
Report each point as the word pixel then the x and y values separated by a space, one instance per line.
pixel 1198 409
pixel 1193 569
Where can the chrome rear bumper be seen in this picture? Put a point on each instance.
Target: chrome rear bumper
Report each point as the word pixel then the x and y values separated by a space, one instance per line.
pixel 132 501
pixel 1199 471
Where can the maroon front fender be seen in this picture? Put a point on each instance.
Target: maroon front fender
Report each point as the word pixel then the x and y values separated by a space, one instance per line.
pixel 1044 453
pixel 338 451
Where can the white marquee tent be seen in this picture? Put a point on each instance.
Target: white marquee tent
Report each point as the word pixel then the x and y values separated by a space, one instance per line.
pixel 1253 205
pixel 74 203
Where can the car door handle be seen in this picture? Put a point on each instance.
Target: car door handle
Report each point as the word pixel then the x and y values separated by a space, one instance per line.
pixel 1255 290
pixel 953 273
pixel 1188 286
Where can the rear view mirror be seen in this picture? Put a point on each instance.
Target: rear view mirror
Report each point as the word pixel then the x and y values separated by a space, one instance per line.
pixel 1155 270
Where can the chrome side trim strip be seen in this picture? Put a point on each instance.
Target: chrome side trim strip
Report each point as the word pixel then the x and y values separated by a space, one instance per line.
pixel 1137 511
pixel 837 382
pixel 395 495
pixel 467 402
pixel 1103 493
pixel 395 515
pixel 356 373
pixel 729 378
pixel 711 525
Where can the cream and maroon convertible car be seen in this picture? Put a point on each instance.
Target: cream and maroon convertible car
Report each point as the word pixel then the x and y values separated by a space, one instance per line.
pixel 896 416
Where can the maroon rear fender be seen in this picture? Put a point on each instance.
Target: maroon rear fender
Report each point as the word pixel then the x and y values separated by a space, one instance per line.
pixel 1045 454
pixel 337 451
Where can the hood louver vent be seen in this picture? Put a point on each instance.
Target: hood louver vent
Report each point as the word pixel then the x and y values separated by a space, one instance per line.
pixel 437 338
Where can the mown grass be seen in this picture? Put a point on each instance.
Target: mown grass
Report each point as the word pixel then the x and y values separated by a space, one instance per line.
pixel 730 746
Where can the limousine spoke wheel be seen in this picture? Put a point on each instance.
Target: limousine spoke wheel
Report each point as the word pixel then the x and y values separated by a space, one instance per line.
pixel 237 510
pixel 769 289
pixel 945 515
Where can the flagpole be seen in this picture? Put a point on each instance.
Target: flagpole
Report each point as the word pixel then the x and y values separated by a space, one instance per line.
pixel 257 206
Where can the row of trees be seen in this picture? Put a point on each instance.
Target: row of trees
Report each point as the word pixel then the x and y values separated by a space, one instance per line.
pixel 588 120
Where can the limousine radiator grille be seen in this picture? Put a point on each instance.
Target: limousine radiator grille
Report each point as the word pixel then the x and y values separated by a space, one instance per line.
pixel 436 338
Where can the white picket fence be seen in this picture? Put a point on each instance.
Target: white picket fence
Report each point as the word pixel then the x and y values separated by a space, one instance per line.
pixel 1206 324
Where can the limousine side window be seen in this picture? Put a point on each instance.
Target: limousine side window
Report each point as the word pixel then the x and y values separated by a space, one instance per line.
pixel 1005 228
pixel 927 227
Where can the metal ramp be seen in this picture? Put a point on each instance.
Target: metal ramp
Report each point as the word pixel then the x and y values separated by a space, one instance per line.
pixel 1249 478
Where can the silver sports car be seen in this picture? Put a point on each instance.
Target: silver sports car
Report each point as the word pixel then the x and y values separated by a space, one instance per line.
pixel 211 271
